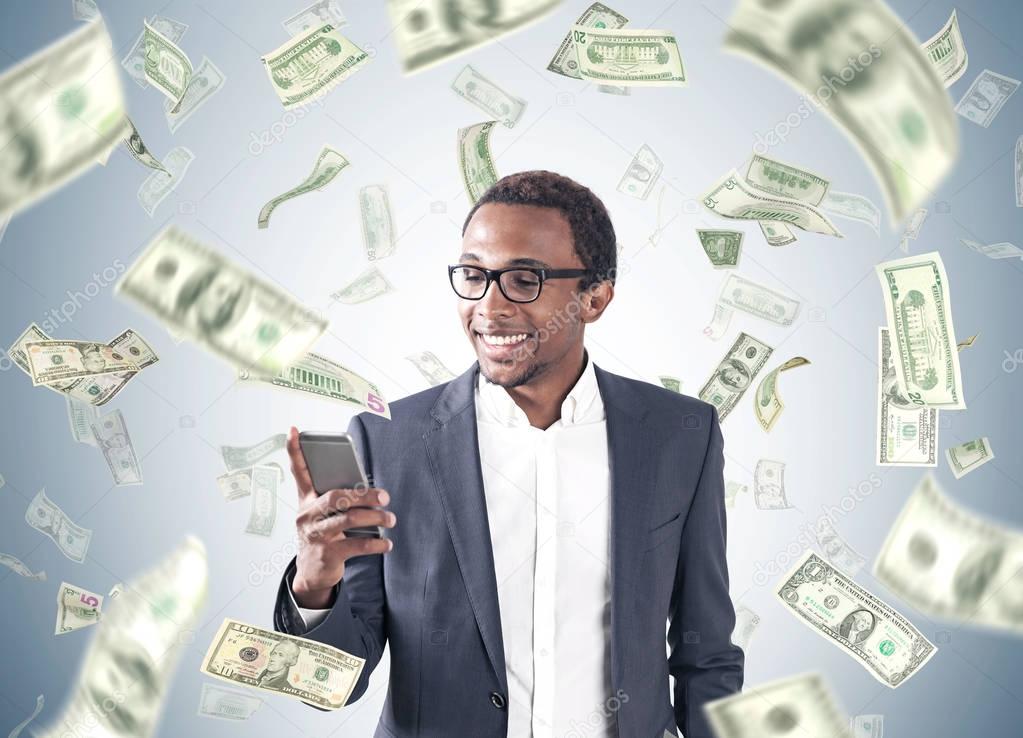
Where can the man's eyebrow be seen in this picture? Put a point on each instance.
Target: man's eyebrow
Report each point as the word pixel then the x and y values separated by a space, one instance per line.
pixel 520 261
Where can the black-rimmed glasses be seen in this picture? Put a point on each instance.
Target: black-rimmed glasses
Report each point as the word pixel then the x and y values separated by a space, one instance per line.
pixel 518 284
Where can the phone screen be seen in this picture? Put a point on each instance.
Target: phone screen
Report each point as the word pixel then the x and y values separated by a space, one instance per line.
pixel 333 464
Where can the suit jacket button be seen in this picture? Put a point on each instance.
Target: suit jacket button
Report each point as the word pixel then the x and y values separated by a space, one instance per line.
pixel 497 700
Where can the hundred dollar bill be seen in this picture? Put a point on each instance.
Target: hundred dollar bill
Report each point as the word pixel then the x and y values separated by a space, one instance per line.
pixel 966 457
pixel 428 32
pixel 919 314
pixel 947 52
pixel 318 375
pixel 84 10
pixel 950 563
pixel 986 96
pixel 51 361
pixel 80 416
pixel 597 15
pixel 63 108
pixel 801 705
pixel 743 294
pixel 431 368
pixel 127 669
pixel 867 726
pixel 138 150
pixel 205 82
pixel 670 383
pixel 199 294
pixel 238 484
pixel 746 622
pixel 475 160
pixel 732 197
pixel 329 164
pixel 40 701
pixel 735 373
pixel 311 64
pixel 371 283
pixel 46 517
pixel 242 457
pixel 628 56
pixel 226 704
pixel 776 233
pixel 853 207
pixel 317 14
pixel 15 565
pixel 1004 250
pixel 115 444
pixel 135 61
pixel 895 108
pixel 846 615
pixel 271 661
pixel 835 549
pixel 158 185
pixel 263 491
pixel 77 608
pixel 643 172
pixel 1019 175
pixel 769 485
pixel 785 180
pixel 488 97
pixel 377 225
pixel 768 406
pixel 167 67
pixel 907 433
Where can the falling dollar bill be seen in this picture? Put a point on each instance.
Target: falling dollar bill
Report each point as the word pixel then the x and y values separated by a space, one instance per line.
pixel 63 109
pixel 950 563
pixel 15 565
pixel 643 172
pixel 115 444
pixel 317 14
pixel 428 33
pixel 597 15
pixel 1019 173
pixel 854 207
pixel 629 57
pixel 919 312
pixel 52 361
pixel 1002 250
pixel 733 490
pixel 986 97
pixel 488 97
pixel 786 180
pixel 371 283
pixel 907 433
pixel 743 294
pixel 966 457
pixel 947 52
pixel 198 293
pixel 670 383
pixel 835 549
pixel 867 726
pixel 40 701
pixel 80 416
pixel 311 64
pixel 158 185
pixel 263 491
pixel 769 485
pixel 329 164
pixel 271 661
pixel 768 405
pixel 896 109
pixel 135 61
pixel 84 10
pixel 318 375
pixel 776 233
pixel 377 226
pixel 126 672
pixel 719 322
pixel 849 617
pixel 801 705
pixel 206 81
pixel 733 198
pixel 475 161
pixel 46 517
pixel 746 622
pixel 139 151
pixel 735 373
pixel 432 369
pixel 241 457
pixel 238 484
pixel 77 608
pixel 227 704
pixel 167 67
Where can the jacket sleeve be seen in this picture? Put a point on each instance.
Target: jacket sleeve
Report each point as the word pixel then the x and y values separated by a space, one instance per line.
pixel 704 661
pixel 357 620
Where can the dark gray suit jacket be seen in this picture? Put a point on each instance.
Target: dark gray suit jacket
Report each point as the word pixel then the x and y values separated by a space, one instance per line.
pixel 434 597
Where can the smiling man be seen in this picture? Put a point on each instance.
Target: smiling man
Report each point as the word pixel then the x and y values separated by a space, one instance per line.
pixel 556 519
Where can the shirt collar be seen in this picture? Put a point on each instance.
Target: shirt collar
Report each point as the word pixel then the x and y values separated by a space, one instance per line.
pixel 582 405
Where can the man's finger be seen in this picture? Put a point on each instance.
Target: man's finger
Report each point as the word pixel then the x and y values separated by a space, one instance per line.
pixel 299 469
pixel 338 500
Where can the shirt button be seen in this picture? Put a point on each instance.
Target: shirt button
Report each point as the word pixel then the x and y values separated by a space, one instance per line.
pixel 497 700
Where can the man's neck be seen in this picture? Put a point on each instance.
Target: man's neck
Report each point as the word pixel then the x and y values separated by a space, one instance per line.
pixel 541 398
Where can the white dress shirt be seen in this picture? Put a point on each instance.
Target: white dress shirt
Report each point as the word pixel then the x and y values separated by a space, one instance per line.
pixel 547 494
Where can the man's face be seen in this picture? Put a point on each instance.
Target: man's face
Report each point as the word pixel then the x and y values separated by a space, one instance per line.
pixel 497 235
pixel 281 657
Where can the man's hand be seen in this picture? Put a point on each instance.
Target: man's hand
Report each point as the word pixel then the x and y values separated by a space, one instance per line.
pixel 321 523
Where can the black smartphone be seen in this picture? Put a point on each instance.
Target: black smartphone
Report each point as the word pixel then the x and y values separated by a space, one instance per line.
pixel 333 464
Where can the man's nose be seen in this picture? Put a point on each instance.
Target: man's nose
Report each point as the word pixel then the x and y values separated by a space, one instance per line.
pixel 494 301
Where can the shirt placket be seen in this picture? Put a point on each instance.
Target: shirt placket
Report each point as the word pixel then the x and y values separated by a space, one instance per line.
pixel 543 587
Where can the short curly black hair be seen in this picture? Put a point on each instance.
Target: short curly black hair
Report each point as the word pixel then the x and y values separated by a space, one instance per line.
pixel 593 235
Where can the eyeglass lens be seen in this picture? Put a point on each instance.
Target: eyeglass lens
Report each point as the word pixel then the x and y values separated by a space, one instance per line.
pixel 519 284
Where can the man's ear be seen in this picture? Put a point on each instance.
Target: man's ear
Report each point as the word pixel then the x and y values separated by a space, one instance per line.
pixel 595 300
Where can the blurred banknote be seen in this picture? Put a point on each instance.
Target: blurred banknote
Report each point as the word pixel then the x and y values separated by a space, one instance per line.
pixel 986 97
pixel 84 10
pixel 46 517
pixel 1004 250
pixel 377 226
pixel 801 705
pixel 488 97
pixel 241 457
pixel 77 608
pixel 115 444
pixel 237 484
pixel 369 284
pixel 853 207
pixel 227 704
pixel 907 433
pixel 643 172
pixel 317 14
pixel 628 56
pixel 835 549
pixel 431 368
pixel 312 63
pixel 769 485
pixel 743 294
pixel 15 565
pixel 263 496
pixel 158 185
pixel 204 83
pixel 328 165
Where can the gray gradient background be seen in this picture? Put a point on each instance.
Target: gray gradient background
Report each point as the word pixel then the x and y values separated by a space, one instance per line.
pixel 400 131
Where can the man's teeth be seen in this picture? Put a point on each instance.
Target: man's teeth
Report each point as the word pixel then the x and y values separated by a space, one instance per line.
pixel 503 340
